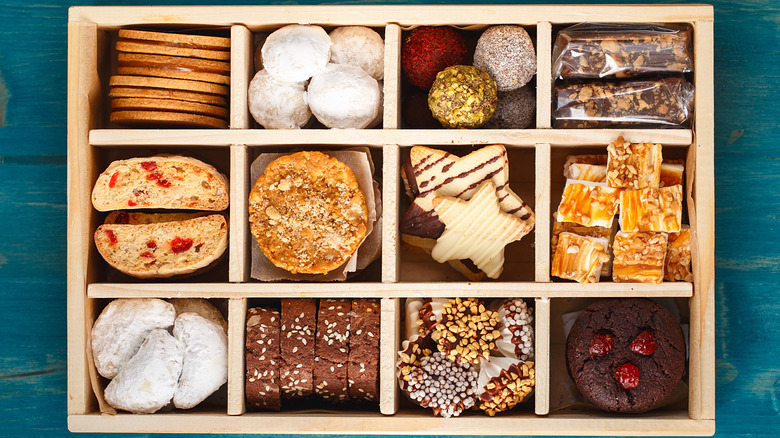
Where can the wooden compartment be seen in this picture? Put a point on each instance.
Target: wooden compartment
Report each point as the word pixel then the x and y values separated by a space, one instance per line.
pixel 536 157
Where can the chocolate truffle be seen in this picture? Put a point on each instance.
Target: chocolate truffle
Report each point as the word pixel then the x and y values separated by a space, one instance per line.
pixel 278 104
pixel 428 50
pixel 296 52
pixel 625 355
pixel 463 96
pixel 359 46
pixel 507 53
pixel 515 110
pixel 344 96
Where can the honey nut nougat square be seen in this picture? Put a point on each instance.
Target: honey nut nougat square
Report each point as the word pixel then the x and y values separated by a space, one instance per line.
pixel 678 256
pixel 588 203
pixel 586 168
pixel 579 258
pixel 582 230
pixel 639 257
pixel 651 209
pixel 633 165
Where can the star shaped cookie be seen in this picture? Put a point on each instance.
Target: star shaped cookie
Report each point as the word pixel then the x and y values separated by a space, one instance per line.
pixel 477 229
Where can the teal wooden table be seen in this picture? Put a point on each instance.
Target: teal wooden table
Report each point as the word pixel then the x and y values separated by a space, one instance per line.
pixel 33 47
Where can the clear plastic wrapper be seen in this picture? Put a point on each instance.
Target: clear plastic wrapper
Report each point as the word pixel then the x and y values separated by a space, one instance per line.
pixel 597 50
pixel 653 103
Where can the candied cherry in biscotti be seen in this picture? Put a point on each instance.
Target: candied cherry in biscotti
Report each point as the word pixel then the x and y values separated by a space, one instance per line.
pixel 644 343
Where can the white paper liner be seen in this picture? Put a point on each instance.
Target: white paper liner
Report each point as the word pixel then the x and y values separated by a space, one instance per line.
pixel 563 391
pixel 359 161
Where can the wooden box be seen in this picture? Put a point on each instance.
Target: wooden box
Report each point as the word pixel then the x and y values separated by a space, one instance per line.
pixel 536 155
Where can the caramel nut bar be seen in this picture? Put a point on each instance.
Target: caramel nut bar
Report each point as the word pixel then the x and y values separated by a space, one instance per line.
pixel 633 165
pixel 582 230
pixel 588 50
pixel 579 258
pixel 639 257
pixel 678 256
pixel 587 203
pixel 665 102
pixel 651 209
pixel 586 168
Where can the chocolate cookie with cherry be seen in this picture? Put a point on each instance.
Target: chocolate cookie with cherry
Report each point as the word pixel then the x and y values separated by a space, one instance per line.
pixel 625 355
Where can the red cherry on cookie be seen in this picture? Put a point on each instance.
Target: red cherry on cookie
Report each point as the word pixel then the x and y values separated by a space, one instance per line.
pixel 601 344
pixel 627 376
pixel 644 343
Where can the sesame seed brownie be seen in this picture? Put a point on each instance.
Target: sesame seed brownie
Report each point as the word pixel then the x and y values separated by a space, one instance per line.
pixel 298 325
pixel 262 359
pixel 332 349
pixel 363 366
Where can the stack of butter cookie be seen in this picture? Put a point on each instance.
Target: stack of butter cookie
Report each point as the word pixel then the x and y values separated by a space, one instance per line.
pixel 170 80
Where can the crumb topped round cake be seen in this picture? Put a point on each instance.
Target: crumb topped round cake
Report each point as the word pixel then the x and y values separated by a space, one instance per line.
pixel 307 213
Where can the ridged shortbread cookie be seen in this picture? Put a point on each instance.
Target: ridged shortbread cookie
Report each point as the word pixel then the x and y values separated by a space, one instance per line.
pixel 163 249
pixel 205 364
pixel 171 182
pixel 121 329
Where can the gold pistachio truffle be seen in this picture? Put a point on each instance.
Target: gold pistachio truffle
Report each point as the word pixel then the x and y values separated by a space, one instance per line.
pixel 463 96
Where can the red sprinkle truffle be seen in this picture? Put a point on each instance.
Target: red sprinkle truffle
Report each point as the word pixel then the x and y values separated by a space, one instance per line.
pixel 428 50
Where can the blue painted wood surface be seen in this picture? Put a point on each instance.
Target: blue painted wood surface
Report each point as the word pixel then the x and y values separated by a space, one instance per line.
pixel 33 49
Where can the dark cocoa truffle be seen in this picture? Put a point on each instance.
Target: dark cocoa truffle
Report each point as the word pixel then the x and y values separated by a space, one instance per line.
pixel 262 359
pixel 428 50
pixel 625 355
pixel 363 366
pixel 515 109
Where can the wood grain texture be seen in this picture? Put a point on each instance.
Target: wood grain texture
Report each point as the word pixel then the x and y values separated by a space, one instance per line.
pixel 33 189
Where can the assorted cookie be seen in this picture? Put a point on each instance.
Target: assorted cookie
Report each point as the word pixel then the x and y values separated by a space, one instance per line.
pixel 156 356
pixel 461 354
pixel 181 241
pixel 304 71
pixel 625 355
pixel 168 80
pixel 622 75
pixel 308 213
pixel 462 94
pixel 632 179
pixel 312 351
pixel 444 189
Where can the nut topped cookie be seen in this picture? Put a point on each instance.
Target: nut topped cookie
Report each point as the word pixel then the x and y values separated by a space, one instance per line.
pixel 307 213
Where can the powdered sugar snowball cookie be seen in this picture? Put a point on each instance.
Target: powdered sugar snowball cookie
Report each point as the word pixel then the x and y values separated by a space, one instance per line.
pixel 278 104
pixel 296 52
pixel 148 381
pixel 344 96
pixel 507 53
pixel 121 329
pixel 359 46
pixel 205 365
pixel 200 306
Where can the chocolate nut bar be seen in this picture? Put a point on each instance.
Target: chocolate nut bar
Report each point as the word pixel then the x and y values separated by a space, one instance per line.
pixel 652 103
pixel 589 50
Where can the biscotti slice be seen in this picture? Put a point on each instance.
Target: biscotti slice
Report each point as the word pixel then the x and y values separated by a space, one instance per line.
pixel 171 182
pixel 332 349
pixel 299 323
pixel 363 367
pixel 262 359
pixel 163 249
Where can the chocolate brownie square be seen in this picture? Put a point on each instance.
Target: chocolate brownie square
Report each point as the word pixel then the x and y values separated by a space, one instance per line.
pixel 298 326
pixel 625 355
pixel 262 359
pixel 332 349
pixel 363 365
